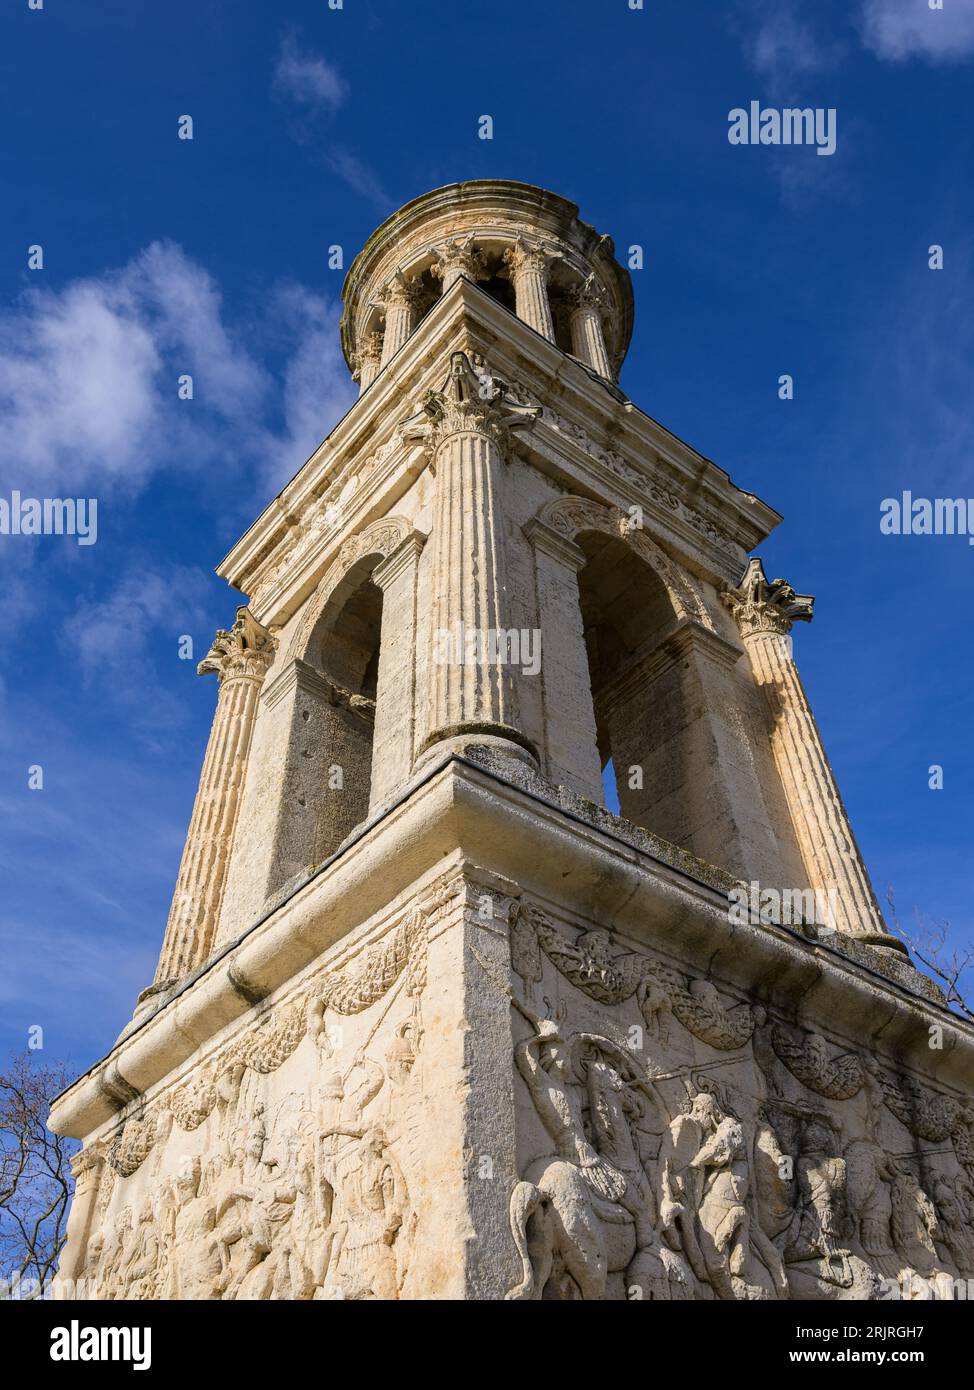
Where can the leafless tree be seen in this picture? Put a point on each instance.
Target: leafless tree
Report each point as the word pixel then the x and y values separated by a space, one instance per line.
pixel 35 1173
pixel 936 950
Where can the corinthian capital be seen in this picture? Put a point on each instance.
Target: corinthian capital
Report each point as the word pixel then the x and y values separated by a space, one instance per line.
pixel 458 256
pixel 399 289
pixel 367 358
pixel 469 401
pixel 527 255
pixel 763 605
pixel 587 294
pixel 246 650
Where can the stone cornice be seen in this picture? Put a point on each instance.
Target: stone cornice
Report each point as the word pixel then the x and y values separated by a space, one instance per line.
pixel 299 675
pixel 553 543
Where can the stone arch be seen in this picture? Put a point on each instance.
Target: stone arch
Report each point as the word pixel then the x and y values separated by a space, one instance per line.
pixel 380 539
pixel 570 516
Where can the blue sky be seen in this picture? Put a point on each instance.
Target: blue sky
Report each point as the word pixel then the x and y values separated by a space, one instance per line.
pixel 164 256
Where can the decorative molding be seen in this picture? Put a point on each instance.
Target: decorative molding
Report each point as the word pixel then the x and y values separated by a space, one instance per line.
pixel 570 516
pixel 381 539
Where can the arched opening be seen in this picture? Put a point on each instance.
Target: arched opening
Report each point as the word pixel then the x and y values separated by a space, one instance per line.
pixel 345 643
pixel 344 648
pixel 331 723
pixel 627 613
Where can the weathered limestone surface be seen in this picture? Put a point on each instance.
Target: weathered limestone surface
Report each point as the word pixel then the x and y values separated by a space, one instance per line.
pixel 430 1021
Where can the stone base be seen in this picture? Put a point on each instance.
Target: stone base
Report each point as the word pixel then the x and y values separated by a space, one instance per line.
pixel 505 1046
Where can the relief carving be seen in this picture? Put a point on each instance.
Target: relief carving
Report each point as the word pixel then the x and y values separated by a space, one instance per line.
pixel 731 1195
pixel 310 1200
pixel 591 966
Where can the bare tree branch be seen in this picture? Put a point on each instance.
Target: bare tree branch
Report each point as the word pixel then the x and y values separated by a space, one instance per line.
pixel 934 949
pixel 35 1175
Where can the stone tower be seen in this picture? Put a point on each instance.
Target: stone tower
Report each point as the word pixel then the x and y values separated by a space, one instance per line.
pixel 429 1020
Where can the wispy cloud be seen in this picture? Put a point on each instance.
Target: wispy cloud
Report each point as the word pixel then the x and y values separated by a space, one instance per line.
pixel 307 77
pixel 361 179
pixel 898 30
pixel 782 43
pixel 317 89
pixel 316 382
pixel 108 635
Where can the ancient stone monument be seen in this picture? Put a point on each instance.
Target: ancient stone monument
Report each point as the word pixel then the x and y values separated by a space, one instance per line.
pixel 429 1020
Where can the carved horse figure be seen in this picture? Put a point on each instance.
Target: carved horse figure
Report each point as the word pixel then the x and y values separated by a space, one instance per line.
pixel 585 1211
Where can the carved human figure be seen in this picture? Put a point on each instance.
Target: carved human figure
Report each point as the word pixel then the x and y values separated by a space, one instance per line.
pixel 373 1201
pixel 361 1182
pixel 869 1171
pixel 723 1216
pixel 614 1108
pixel 655 1007
pixel 196 1273
pixel 681 1183
pixel 112 1254
pixel 587 1208
pixel 817 1228
pixel 915 1224
pixel 954 1225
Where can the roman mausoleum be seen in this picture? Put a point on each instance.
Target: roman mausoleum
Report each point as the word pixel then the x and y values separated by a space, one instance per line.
pixel 430 1019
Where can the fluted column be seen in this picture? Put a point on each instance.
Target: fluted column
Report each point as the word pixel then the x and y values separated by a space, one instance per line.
pixel 457 257
pixel 588 337
pixel 368 361
pixel 528 264
pixel 765 612
pixel 401 300
pixel 465 428
pixel 240 659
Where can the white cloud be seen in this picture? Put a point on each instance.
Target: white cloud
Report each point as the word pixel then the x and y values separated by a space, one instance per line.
pixel 360 179
pixel 898 30
pixel 307 77
pixel 88 374
pixel 88 380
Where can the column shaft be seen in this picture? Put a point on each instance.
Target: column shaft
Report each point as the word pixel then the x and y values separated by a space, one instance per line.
pixel 400 298
pixel 369 362
pixel 571 755
pixel 394 743
pixel 240 658
pixel 465 428
pixel 825 837
pixel 588 339
pixel 765 612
